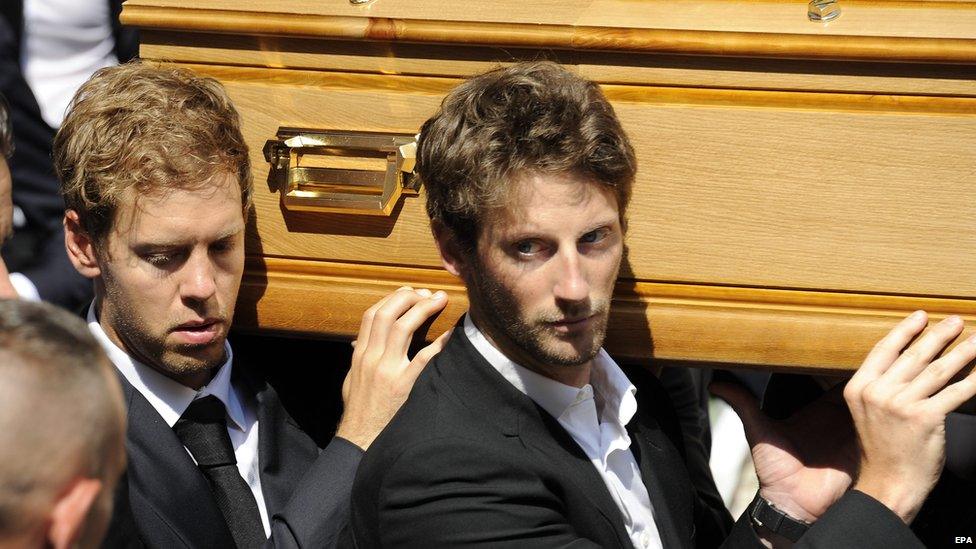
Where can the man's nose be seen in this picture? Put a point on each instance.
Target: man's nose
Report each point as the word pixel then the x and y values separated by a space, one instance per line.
pixel 571 282
pixel 199 282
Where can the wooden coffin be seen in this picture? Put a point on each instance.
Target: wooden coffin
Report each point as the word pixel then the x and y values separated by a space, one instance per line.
pixel 802 184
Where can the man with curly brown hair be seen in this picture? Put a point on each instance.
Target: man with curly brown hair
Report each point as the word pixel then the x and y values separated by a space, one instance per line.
pixel 524 432
pixel 156 180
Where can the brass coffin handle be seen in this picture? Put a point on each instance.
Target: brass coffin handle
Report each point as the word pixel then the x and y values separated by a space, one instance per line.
pixel 342 172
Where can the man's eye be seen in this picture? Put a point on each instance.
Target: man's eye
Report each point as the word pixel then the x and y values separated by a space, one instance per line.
pixel 528 247
pixel 594 236
pixel 222 246
pixel 158 260
pixel 162 259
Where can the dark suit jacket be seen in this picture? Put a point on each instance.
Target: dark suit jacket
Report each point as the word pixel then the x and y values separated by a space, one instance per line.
pixel 164 500
pixel 948 513
pixel 470 460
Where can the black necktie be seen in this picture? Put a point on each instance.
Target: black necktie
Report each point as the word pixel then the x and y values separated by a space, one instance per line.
pixel 203 430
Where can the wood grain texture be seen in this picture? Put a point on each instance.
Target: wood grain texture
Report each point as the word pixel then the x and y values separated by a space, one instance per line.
pixel 616 68
pixel 842 192
pixel 888 31
pixel 733 326
pixel 801 186
pixel 859 17
pixel 867 202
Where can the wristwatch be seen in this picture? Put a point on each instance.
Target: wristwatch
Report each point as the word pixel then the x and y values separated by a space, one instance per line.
pixel 763 514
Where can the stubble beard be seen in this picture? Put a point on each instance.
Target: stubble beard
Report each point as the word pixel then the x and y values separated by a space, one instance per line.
pixel 535 336
pixel 147 344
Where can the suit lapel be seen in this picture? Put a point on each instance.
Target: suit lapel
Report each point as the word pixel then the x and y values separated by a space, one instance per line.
pixel 661 464
pixel 490 395
pixel 165 483
pixel 284 451
pixel 542 432
pixel 663 471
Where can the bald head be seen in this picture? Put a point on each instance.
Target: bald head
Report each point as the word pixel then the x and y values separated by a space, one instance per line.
pixel 62 427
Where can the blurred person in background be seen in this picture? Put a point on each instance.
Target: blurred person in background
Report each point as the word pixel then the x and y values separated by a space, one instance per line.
pixel 48 48
pixel 62 429
pixel 6 205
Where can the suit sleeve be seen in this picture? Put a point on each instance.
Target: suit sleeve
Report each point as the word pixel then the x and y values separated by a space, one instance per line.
pixel 859 521
pixel 453 492
pixel 319 508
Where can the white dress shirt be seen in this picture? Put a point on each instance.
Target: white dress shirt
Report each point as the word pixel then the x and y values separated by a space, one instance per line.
pixel 596 416
pixel 171 399
pixel 64 42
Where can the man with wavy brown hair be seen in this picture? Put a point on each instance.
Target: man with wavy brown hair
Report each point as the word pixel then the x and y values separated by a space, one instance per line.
pixel 524 432
pixel 156 181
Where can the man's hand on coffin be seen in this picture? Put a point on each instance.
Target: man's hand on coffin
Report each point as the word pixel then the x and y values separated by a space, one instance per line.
pixel 382 373
pixel 899 400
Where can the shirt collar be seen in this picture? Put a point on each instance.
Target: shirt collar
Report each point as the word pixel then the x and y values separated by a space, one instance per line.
pixel 609 383
pixel 168 397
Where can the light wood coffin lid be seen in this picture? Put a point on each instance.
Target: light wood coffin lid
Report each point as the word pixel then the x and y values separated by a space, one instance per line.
pixel 921 31
pixel 797 329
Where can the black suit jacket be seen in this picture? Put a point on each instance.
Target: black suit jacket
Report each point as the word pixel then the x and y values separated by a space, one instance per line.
pixel 948 513
pixel 164 500
pixel 470 460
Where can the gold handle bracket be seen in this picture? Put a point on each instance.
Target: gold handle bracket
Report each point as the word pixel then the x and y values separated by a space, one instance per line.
pixel 347 172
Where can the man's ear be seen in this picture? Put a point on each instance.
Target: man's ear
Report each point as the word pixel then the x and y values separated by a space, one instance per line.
pixel 451 257
pixel 71 511
pixel 80 247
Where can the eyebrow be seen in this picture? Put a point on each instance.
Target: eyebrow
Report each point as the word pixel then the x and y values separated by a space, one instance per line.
pixel 532 232
pixel 163 244
pixel 601 224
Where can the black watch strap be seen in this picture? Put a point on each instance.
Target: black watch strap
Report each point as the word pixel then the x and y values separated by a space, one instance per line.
pixel 763 514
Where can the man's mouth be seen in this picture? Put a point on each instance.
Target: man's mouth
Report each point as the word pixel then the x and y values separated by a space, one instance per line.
pixel 198 332
pixel 572 324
